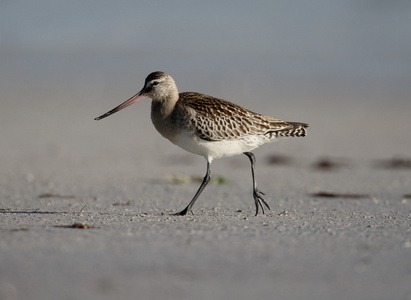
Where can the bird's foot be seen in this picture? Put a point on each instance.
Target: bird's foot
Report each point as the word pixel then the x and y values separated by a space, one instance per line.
pixel 183 212
pixel 258 198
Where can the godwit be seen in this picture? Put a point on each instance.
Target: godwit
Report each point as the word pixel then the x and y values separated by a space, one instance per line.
pixel 209 126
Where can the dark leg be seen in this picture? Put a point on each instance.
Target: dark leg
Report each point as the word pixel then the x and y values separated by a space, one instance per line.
pixel 258 198
pixel 200 189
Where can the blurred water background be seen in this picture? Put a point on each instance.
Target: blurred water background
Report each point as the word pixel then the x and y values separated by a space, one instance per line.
pixel 338 65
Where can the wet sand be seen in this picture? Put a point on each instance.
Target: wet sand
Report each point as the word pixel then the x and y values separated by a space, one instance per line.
pixel 85 206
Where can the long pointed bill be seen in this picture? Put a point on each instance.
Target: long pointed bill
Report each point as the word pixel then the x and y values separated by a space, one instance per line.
pixel 130 101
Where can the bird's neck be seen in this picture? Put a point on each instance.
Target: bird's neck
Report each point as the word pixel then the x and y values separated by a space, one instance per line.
pixel 163 106
pixel 162 112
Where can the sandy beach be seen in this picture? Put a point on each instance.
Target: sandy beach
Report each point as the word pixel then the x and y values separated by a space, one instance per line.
pixel 85 211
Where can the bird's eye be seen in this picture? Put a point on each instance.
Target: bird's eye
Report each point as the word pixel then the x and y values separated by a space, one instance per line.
pixel 154 83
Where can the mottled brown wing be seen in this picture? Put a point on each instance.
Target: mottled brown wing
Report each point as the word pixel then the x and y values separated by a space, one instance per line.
pixel 217 119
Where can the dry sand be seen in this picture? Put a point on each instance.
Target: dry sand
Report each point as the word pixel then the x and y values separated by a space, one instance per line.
pixel 60 168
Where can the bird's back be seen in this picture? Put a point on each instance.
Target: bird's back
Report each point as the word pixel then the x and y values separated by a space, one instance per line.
pixel 217 119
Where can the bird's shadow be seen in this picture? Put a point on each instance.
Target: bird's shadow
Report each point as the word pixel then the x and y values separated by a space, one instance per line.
pixel 10 211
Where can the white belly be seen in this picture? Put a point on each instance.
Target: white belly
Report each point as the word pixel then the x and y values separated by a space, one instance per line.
pixel 217 149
